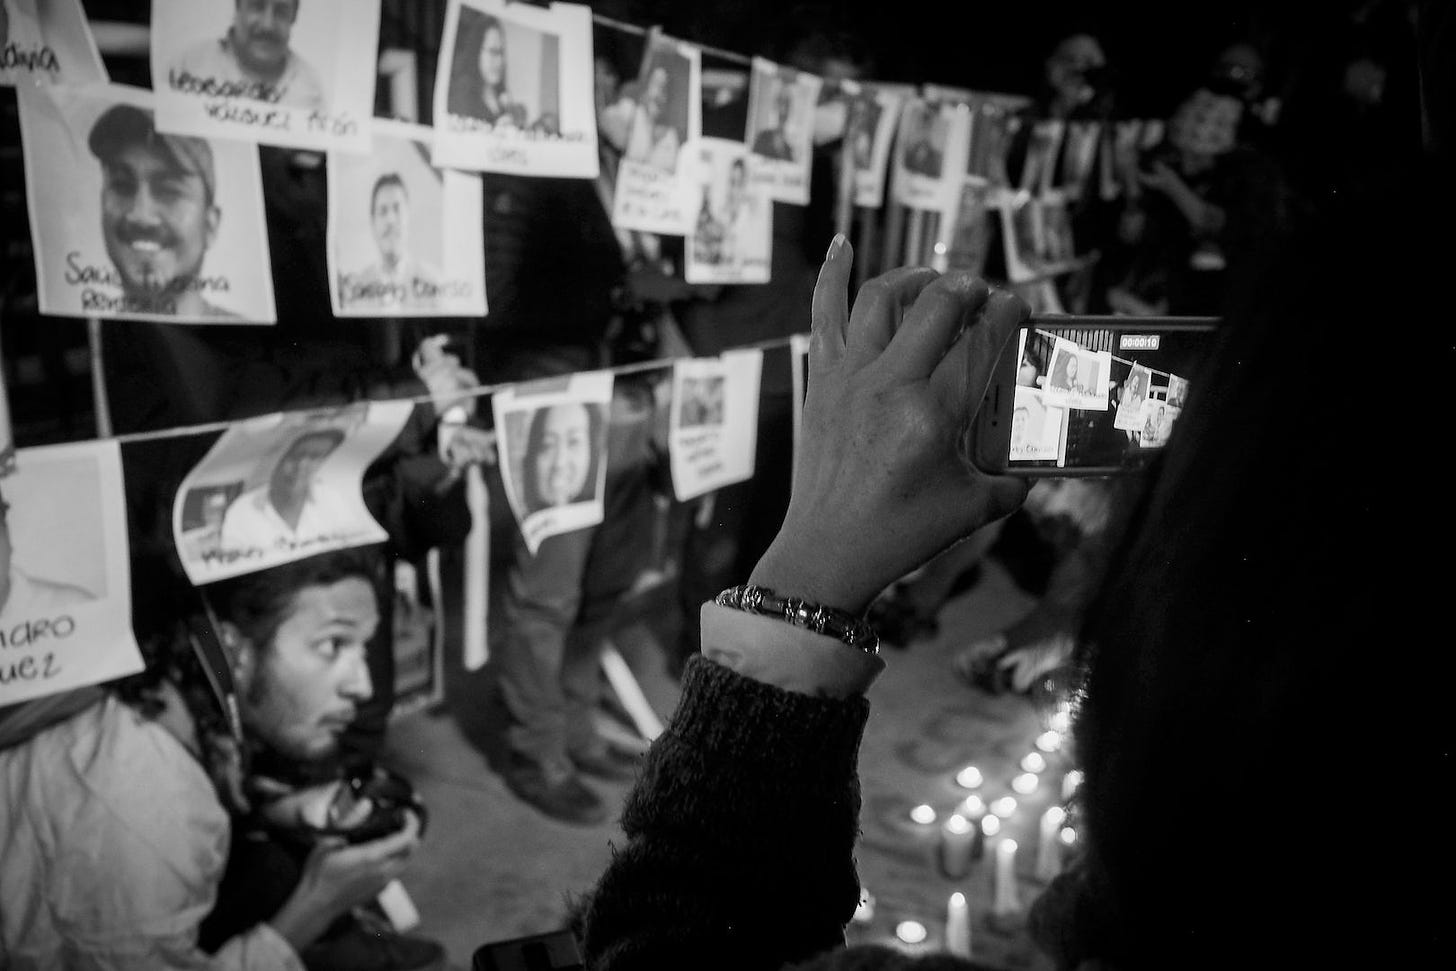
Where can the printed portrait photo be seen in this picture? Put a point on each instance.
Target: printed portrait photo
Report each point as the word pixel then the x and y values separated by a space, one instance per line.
pixel 1078 377
pixel 405 238
pixel 47 42
pixel 1133 393
pixel 281 488
pixel 780 112
pixel 282 72
pixel 503 73
pixel 65 582
pixel 733 232
pixel 701 402
pixel 870 135
pixel 162 227
pixel 922 140
pixel 1036 427
pixel 1177 391
pixel 556 453
pixel 1036 234
pixel 659 126
pixel 1158 419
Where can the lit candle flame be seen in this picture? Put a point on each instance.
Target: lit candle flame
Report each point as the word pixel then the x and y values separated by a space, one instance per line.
pixel 923 814
pixel 969 777
pixel 1049 741
pixel 1069 835
pixel 974 806
pixel 957 824
pixel 1033 763
pixel 910 931
pixel 1025 783
pixel 990 826
pixel 1004 806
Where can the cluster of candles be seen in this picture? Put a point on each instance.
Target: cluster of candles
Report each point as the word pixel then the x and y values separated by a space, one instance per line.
pixel 971 826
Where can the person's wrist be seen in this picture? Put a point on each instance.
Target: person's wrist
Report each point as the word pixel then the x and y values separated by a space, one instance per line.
pixel 814 572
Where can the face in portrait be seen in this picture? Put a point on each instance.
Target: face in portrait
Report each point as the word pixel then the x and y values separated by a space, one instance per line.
pixel 158 213
pixel 862 140
pixel 22 595
pixel 389 218
pixel 660 123
pixel 1019 418
pixel 478 77
pixel 561 456
pixel 301 651
pixel 1064 374
pixel 737 195
pixel 260 34
pixel 923 155
pixel 290 485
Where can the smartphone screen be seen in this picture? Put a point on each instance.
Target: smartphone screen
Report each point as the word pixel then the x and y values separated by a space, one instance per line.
pixel 1089 395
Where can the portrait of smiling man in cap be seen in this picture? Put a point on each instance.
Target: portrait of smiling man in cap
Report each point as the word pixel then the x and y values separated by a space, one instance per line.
pixel 159 213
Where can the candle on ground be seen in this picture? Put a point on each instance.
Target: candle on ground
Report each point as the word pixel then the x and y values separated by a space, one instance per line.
pixel 1049 849
pixel 990 826
pixel 1049 741
pixel 1025 784
pixel 923 815
pixel 1061 720
pixel 910 931
pixel 1070 782
pixel 1006 900
pixel 1034 762
pixel 1004 807
pixel 1068 836
pixel 957 840
pixel 969 777
pixel 973 808
pixel 958 926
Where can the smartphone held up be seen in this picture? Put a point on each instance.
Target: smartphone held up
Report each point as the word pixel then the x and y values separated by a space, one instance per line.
pixel 1087 396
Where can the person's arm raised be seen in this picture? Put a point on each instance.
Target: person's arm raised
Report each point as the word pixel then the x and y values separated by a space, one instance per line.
pixel 741 829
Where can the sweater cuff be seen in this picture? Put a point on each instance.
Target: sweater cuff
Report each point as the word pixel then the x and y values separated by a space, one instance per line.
pixel 778 653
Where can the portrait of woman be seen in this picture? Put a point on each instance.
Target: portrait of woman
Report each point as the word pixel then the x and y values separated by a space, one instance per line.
pixel 563 449
pixel 478 72
pixel 657 134
pixel 1064 373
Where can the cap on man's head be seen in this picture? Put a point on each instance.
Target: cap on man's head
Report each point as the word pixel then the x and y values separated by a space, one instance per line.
pixel 122 125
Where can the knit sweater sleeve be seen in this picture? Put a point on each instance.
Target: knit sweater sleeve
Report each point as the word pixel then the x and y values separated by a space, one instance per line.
pixel 740 833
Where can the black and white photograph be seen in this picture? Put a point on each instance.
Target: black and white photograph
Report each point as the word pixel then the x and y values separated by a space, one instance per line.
pixel 870 136
pixel 65 575
pixel 780 130
pixel 405 237
pixel 733 233
pixel 1158 417
pixel 1038 427
pixel 163 227
pixel 297 73
pixel 1177 391
pixel 280 488
pixel 713 429
pixel 552 446
pixel 1077 377
pixel 513 89
pixel 1036 235
pixel 1132 394
pixel 930 153
pixel 47 42
pixel 656 187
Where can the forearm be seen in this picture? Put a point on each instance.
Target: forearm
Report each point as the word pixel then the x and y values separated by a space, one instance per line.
pixel 741 832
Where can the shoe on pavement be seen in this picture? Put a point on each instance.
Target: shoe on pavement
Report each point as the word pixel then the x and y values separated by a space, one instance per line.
pixel 565 798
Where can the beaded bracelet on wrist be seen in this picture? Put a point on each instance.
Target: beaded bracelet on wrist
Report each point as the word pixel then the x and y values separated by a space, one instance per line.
pixel 829 621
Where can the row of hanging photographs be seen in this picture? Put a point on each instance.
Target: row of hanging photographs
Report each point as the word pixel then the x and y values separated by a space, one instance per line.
pixel 164 216
pixel 287 486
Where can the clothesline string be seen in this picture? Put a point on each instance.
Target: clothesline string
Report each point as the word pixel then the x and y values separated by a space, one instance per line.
pixel 657 364
pixel 626 28
pixel 1120 360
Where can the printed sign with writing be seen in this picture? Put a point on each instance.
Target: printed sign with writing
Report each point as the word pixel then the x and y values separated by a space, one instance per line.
pixel 1158 419
pixel 405 238
pixel 47 42
pixel 513 90
pixel 287 72
pixel 781 127
pixel 1038 426
pixel 155 226
pixel 281 488
pixel 1036 235
pixel 713 425
pixel 733 234
pixel 65 575
pixel 1129 415
pixel 657 176
pixel 552 443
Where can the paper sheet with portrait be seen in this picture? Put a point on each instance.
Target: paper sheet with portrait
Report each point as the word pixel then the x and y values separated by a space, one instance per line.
pixel 1038 427
pixel 47 42
pixel 298 73
pixel 1158 419
pixel 283 487
pixel 713 424
pixel 732 237
pixel 405 239
pixel 1036 235
pixel 869 139
pixel 1129 417
pixel 1177 391
pixel 656 185
pixel 1078 378
pixel 157 227
pixel 551 439
pixel 65 603
pixel 931 147
pixel 780 129
pixel 513 89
